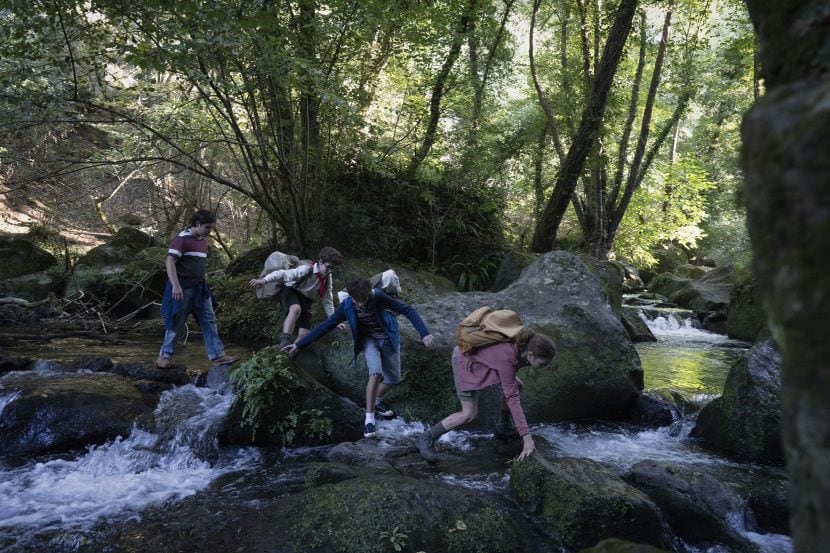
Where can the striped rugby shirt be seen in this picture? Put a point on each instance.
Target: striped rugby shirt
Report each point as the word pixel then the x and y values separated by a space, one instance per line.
pixel 191 252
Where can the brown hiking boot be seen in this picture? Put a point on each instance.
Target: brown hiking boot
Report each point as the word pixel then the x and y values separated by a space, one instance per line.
pixel 285 339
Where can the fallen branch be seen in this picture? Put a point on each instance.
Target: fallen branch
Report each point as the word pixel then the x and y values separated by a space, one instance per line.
pixel 23 303
pixel 54 336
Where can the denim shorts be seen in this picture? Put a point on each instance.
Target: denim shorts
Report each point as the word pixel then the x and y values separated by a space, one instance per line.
pixel 382 359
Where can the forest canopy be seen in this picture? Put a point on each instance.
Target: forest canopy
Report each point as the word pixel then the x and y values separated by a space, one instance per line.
pixel 439 132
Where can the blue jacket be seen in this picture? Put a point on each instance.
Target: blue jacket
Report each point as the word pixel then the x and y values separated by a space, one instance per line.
pixel 380 302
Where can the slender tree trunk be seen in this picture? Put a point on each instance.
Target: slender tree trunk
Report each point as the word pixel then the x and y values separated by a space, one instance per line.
pixel 545 233
pixel 538 165
pixel 543 99
pixel 438 88
pixel 634 175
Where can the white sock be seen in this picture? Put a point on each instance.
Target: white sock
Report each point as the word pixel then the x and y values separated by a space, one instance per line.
pixel 370 418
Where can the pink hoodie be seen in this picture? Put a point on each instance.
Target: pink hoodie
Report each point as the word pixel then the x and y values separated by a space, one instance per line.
pixel 490 365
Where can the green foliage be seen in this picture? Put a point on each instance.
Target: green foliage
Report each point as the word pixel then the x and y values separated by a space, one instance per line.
pixel 484 531
pixel 669 207
pixel 394 537
pixel 476 275
pixel 267 388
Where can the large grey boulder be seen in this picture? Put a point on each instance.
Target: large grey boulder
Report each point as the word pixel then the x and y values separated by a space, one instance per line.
pixel 52 413
pixel 707 293
pixel 745 421
pixel 596 373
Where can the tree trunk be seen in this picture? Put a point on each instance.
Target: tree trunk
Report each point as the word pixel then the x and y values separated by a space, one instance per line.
pixel 545 234
pixel 634 173
pixel 438 89
pixel 786 139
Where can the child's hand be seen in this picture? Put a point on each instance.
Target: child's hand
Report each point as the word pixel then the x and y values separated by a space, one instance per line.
pixel 429 341
pixel 291 350
pixel 256 282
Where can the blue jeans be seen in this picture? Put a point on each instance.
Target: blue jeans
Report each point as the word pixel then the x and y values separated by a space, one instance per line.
pixel 382 359
pixel 203 312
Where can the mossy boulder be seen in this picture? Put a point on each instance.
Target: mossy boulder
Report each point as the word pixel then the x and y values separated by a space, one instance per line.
pixel 666 284
pixel 373 513
pixel 109 260
pixel 34 286
pixel 53 413
pixel 745 316
pixel 278 403
pixel 22 257
pixel 689 271
pixel 596 373
pixel 745 421
pixel 119 250
pixel 584 502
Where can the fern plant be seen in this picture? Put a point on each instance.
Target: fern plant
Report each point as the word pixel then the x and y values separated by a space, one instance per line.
pixel 269 389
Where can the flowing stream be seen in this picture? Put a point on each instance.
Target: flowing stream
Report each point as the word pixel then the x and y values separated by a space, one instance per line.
pixel 180 457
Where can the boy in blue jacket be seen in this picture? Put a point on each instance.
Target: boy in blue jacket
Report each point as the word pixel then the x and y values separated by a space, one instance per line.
pixel 375 333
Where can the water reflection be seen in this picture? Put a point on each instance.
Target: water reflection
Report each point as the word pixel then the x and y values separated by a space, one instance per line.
pixel 691 361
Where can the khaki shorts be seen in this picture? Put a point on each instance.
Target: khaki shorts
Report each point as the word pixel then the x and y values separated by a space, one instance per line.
pixel 463 395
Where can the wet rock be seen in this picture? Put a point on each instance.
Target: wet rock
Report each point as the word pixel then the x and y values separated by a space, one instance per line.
pixel 93 364
pixel 175 374
pixel 636 327
pixel 57 412
pixel 632 282
pixel 695 505
pixel 614 545
pixel 653 410
pixel 584 502
pixel 770 508
pixel 10 363
pixel 745 421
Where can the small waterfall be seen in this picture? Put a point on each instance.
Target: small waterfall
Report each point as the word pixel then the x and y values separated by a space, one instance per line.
pixel 179 458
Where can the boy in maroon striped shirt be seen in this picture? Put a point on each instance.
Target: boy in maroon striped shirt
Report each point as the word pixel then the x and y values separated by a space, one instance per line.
pixel 187 291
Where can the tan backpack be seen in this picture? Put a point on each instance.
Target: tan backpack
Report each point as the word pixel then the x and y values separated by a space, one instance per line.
pixel 484 326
